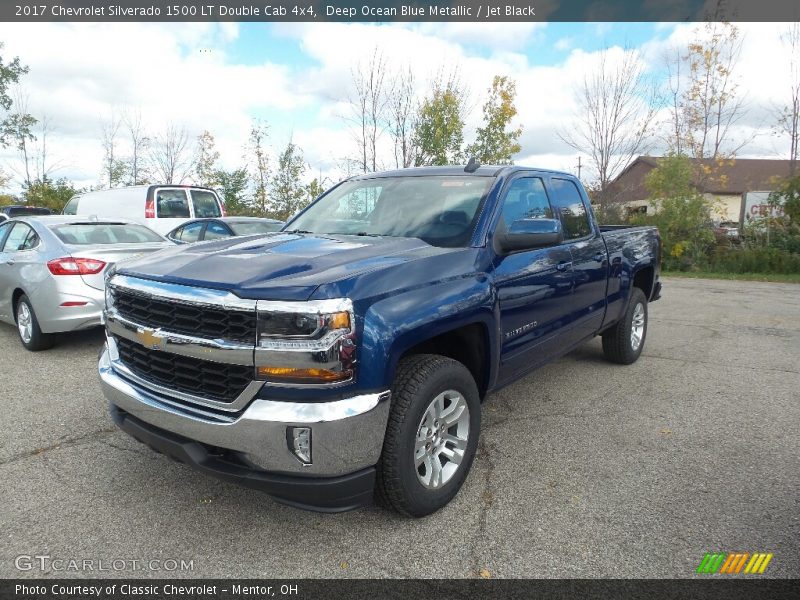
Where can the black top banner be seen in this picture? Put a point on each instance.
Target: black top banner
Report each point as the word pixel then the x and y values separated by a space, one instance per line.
pixel 385 11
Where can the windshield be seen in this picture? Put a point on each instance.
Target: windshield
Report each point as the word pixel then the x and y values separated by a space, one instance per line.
pixel 252 227
pixel 440 210
pixel 93 234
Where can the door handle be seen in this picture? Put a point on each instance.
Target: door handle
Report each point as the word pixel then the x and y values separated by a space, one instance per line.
pixel 10 262
pixel 563 266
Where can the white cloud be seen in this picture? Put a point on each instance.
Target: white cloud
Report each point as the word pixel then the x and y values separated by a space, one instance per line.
pixel 186 73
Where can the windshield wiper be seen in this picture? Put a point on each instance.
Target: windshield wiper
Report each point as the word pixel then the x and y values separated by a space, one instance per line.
pixel 297 231
pixel 365 234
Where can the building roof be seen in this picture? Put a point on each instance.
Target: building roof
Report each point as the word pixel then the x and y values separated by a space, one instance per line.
pixel 731 177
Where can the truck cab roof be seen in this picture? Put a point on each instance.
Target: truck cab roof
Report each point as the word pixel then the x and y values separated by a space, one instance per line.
pixel 450 171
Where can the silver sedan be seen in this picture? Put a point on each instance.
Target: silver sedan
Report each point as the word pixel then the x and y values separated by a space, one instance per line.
pixel 52 271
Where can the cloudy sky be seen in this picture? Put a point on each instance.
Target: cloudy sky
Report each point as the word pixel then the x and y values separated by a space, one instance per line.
pixel 297 78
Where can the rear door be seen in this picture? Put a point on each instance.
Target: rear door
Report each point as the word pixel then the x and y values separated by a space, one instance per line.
pixel 5 273
pixel 205 204
pixel 589 259
pixel 172 208
pixel 534 287
pixel 18 254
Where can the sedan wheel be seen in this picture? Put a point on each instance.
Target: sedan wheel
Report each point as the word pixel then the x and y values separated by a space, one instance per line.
pixel 24 323
pixel 30 334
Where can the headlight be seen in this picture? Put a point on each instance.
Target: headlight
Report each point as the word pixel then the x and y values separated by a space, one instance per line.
pixel 306 342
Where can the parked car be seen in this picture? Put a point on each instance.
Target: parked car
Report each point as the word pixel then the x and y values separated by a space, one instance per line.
pixel 160 207
pixel 350 354
pixel 21 210
pixel 214 229
pixel 728 229
pixel 52 271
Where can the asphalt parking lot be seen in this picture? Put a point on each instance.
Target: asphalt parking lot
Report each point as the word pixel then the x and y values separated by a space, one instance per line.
pixel 585 469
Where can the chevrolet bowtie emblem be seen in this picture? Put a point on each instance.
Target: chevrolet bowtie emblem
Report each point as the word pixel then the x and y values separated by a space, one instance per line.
pixel 150 339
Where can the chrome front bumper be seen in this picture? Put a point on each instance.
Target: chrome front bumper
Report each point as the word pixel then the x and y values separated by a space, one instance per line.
pixel 347 435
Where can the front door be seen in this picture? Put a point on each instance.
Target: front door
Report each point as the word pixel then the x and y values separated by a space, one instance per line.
pixel 533 286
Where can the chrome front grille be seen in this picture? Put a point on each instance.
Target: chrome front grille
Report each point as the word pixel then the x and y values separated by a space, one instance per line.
pixel 196 320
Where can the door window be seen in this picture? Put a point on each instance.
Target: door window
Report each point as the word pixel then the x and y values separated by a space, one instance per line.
pixel 526 199
pixel 216 231
pixel 72 206
pixel 172 204
pixel 205 204
pixel 191 233
pixel 22 237
pixel 569 203
pixel 4 229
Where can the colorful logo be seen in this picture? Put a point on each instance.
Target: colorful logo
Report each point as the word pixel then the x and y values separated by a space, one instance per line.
pixel 734 562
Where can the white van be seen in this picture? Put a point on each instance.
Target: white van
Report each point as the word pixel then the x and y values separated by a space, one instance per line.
pixel 160 207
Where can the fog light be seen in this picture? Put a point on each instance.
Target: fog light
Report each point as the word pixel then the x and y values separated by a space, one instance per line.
pixel 299 441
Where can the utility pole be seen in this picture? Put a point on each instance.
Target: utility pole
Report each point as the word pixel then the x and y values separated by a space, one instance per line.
pixel 579 166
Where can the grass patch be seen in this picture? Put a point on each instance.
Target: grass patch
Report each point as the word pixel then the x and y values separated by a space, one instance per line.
pixel 774 277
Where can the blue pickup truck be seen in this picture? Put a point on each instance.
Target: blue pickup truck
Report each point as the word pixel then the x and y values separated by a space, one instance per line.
pixel 346 357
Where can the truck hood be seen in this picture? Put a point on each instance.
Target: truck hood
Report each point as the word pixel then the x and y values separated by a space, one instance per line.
pixel 278 266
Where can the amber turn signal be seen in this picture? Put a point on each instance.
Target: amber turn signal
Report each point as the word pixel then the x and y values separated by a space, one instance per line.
pixel 339 320
pixel 291 375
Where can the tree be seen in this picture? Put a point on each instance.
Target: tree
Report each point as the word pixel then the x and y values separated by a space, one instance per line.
pixel 368 107
pixel 314 190
pixel 258 163
pixel 233 187
pixel 788 115
pixel 170 155
pixel 682 213
pixel 288 193
pixel 496 143
pixel 18 129
pixel 48 193
pixel 400 108
pixel 43 167
pixel 206 161
pixel 114 167
pixel 15 126
pixel 616 107
pixel 439 127
pixel 710 103
pixel 137 173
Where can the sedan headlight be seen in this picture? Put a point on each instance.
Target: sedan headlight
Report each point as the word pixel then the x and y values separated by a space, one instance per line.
pixel 306 342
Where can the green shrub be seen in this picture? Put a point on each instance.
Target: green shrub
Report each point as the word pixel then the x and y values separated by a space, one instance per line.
pixel 755 260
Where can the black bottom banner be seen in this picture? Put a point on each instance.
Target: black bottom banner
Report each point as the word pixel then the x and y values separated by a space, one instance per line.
pixel 411 589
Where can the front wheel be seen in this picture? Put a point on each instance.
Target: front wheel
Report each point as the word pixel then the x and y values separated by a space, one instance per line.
pixel 624 342
pixel 431 437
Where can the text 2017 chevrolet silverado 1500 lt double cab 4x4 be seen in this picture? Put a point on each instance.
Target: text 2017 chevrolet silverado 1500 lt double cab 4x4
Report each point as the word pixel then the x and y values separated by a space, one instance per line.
pixel 348 354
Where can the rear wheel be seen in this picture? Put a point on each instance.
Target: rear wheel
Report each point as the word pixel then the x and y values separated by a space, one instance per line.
pixel 431 437
pixel 28 329
pixel 624 342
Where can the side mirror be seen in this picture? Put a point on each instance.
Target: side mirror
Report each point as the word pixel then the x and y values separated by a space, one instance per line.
pixel 526 234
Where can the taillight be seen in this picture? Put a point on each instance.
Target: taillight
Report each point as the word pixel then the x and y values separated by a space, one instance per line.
pixel 150 209
pixel 222 208
pixel 75 266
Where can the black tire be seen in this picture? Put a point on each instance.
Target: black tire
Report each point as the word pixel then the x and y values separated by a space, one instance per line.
pixel 38 340
pixel 419 379
pixel 618 346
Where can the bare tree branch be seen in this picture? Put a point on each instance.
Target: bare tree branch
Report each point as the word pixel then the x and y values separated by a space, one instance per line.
pixel 617 105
